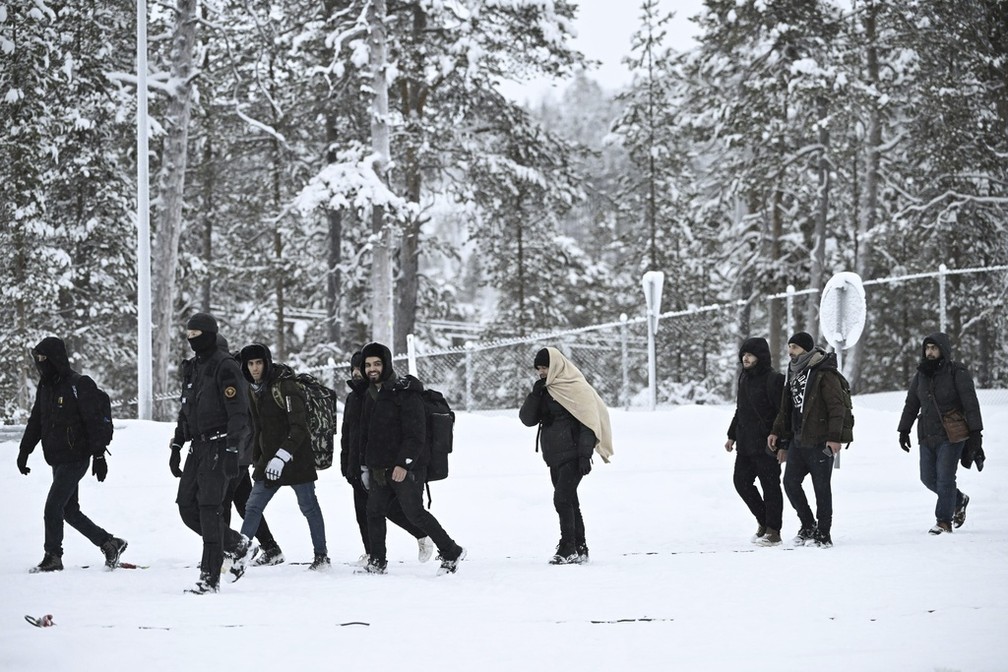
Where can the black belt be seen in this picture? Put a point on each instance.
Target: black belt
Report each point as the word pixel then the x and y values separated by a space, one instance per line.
pixel 213 436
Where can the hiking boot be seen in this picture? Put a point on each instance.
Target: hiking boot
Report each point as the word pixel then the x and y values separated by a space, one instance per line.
pixel 425 549
pixel 451 566
pixel 50 563
pixel 960 513
pixel 321 562
pixel 112 549
pixel 941 527
pixel 267 556
pixel 203 586
pixel 760 531
pixel 373 566
pixel 805 535
pixel 822 539
pixel 242 555
pixel 565 555
pixel 582 554
pixel 770 538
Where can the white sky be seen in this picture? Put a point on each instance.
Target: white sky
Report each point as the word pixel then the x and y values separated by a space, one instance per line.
pixel 604 31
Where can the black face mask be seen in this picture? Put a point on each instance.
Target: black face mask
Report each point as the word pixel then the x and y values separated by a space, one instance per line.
pixel 203 342
pixel 46 369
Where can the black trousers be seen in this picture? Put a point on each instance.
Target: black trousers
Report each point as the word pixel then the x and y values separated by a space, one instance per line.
pixel 395 515
pixel 410 495
pixel 810 460
pixel 201 498
pixel 62 505
pixel 768 508
pixel 566 478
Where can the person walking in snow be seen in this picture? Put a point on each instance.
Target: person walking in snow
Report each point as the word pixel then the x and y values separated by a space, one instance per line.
pixel 943 400
pixel 214 417
pixel 573 423
pixel 393 444
pixel 757 403
pixel 66 418
pixel 281 451
pixel 810 421
pixel 350 464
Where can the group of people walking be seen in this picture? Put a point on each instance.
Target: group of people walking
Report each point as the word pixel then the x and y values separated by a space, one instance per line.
pixel 800 420
pixel 245 411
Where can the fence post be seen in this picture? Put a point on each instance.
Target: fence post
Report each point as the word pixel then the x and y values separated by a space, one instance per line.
pixel 468 376
pixel 625 362
pixel 790 311
pixel 942 320
pixel 411 364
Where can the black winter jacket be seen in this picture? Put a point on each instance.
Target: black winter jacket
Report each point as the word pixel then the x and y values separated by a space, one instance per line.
pixel 562 436
pixel 758 400
pixel 822 406
pixel 393 427
pixel 66 405
pixel 350 457
pixel 213 399
pixel 950 386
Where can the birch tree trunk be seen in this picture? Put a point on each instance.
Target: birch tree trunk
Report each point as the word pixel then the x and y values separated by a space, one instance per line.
pixel 382 305
pixel 171 184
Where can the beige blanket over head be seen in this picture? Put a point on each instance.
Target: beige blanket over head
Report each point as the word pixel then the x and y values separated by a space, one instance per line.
pixel 568 386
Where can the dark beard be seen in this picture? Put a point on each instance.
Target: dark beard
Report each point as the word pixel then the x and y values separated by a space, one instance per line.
pixel 929 367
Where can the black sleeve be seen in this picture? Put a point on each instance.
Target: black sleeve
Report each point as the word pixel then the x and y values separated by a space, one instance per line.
pixel 530 410
pixel 911 407
pixel 414 429
pixel 33 430
pixel 233 388
pixel 968 398
pixel 586 440
pixel 776 391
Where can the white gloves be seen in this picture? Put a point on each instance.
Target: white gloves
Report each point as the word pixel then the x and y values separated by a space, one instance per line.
pixel 365 477
pixel 277 464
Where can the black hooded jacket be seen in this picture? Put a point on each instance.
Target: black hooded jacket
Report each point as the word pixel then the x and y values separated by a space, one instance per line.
pixel 350 457
pixel 943 387
pixel 66 405
pixel 393 427
pixel 758 400
pixel 213 400
pixel 279 420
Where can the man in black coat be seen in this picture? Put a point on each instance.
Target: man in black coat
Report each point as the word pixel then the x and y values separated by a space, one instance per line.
pixel 66 416
pixel 393 443
pixel 350 463
pixel 757 404
pixel 940 387
pixel 214 417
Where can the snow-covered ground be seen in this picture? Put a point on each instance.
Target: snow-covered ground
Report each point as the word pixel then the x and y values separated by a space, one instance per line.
pixel 670 542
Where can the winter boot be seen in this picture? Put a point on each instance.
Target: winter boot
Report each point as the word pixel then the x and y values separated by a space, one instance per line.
pixel 582 554
pixel 205 585
pixel 770 538
pixel 451 566
pixel 321 562
pixel 373 566
pixel 113 548
pixel 267 556
pixel 760 532
pixel 822 539
pixel 425 549
pixel 50 563
pixel 565 555
pixel 941 527
pixel 805 535
pixel 960 513
pixel 242 555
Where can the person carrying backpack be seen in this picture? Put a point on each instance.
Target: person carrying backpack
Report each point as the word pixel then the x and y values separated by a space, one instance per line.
pixel 808 433
pixel 393 445
pixel 573 423
pixel 281 451
pixel 943 400
pixel 67 418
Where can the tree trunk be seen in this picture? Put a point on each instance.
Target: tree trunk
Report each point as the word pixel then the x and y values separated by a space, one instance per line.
pixel 817 270
pixel 381 266
pixel 171 183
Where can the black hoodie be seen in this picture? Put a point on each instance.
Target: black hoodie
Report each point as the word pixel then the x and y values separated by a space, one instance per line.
pixel 937 388
pixel 758 400
pixel 66 405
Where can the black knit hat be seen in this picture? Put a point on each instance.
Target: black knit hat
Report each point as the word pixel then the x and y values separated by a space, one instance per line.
pixel 541 358
pixel 204 322
pixel 803 340
pixel 356 360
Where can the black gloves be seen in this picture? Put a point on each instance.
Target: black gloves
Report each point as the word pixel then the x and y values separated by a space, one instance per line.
pixel 99 467
pixel 539 386
pixel 175 461
pixel 585 464
pixel 230 463
pixel 22 463
pixel 973 452
pixel 905 441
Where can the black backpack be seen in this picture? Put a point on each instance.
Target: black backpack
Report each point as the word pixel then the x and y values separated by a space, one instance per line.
pixel 440 433
pixel 847 431
pixel 99 429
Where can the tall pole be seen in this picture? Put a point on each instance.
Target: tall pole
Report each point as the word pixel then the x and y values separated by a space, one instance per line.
pixel 145 401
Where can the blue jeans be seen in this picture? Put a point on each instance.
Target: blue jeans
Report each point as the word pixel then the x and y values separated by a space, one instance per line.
pixel 262 493
pixel 938 466
pixel 62 504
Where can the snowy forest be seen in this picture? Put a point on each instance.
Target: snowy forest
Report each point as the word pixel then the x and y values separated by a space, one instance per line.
pixel 328 172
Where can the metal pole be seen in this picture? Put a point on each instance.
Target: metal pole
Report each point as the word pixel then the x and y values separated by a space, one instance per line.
pixel 468 376
pixel 411 355
pixel 790 310
pixel 652 373
pixel 145 394
pixel 625 361
pixel 942 319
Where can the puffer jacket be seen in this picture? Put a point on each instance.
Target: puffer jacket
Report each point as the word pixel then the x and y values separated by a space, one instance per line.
pixel 65 404
pixel 949 387
pixel 562 437
pixel 822 410
pixel 758 400
pixel 393 427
